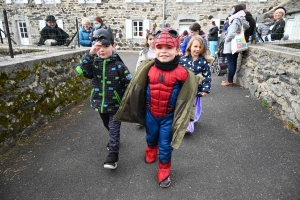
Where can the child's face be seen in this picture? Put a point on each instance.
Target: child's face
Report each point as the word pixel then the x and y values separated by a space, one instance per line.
pixel 104 51
pixel 150 41
pixel 196 48
pixel 165 53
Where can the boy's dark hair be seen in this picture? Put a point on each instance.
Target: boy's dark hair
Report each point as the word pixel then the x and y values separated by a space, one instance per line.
pixel 213 23
pixel 238 8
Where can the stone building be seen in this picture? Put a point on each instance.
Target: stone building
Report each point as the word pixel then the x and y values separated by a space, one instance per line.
pixel 129 19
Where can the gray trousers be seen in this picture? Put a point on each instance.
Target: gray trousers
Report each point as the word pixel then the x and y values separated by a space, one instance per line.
pixel 113 128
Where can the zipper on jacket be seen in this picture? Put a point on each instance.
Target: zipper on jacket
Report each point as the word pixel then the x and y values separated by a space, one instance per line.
pixel 103 83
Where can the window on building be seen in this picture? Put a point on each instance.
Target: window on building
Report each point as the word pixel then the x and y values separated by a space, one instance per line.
pixel 188 1
pixel 16 1
pixel 252 0
pixel 23 32
pixel 222 22
pixel 136 28
pixel 137 1
pixel 1 27
pixel 47 2
pixel 51 1
pixel 89 1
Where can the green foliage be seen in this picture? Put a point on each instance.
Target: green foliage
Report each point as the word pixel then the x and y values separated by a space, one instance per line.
pixel 265 104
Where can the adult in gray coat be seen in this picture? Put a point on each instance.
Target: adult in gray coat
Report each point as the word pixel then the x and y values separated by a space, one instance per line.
pixel 236 21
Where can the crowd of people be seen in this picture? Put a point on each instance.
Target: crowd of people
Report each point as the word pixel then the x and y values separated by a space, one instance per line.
pixel 172 75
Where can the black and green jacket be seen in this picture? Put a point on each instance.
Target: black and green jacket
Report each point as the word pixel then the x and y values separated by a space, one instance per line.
pixel 110 78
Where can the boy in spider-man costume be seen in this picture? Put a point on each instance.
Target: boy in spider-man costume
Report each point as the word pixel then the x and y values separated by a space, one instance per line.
pixel 160 96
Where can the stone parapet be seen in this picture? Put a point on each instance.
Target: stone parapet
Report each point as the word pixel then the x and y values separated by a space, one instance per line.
pixel 33 89
pixel 272 74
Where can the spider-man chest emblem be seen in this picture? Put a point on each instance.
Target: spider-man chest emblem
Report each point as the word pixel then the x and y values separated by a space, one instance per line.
pixel 161 78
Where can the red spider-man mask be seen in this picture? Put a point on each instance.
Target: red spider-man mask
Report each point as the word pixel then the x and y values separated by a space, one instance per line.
pixel 167 36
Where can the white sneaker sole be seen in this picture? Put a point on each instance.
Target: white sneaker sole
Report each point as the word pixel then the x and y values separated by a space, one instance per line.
pixel 108 166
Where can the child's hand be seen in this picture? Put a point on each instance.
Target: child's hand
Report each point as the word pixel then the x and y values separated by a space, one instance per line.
pixel 95 48
pixel 204 94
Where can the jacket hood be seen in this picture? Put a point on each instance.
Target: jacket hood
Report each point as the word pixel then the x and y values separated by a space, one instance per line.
pixel 244 22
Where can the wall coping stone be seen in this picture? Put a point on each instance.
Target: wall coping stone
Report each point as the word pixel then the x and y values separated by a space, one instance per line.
pixel 49 52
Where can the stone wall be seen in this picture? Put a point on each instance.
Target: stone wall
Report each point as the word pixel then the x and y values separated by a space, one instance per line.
pixel 33 90
pixel 272 74
pixel 115 12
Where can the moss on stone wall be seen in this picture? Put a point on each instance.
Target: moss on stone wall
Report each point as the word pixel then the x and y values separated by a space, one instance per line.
pixel 21 106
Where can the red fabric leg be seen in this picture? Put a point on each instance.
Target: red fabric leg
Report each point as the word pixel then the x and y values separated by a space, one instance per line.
pixel 151 154
pixel 164 171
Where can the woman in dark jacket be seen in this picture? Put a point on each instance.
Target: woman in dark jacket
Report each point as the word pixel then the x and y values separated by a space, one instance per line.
pixel 213 38
pixel 278 28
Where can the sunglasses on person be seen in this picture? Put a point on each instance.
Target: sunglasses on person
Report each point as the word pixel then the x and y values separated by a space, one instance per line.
pixel 103 40
pixel 171 32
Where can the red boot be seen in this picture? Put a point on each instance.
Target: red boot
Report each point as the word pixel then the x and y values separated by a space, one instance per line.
pixel 151 154
pixel 163 174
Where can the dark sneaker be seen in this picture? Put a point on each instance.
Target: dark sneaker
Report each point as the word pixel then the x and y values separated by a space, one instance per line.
pixel 165 183
pixel 139 125
pixel 111 161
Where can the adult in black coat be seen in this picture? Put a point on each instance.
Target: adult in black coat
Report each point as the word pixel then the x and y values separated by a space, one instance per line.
pixel 278 28
pixel 251 30
pixel 51 34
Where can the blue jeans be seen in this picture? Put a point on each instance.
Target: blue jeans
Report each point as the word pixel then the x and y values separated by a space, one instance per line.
pixel 231 60
pixel 213 45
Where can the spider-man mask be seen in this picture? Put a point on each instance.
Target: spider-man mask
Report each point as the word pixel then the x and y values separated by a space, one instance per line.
pixel 167 36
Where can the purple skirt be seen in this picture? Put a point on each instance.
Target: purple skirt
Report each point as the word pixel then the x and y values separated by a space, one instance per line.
pixel 198 109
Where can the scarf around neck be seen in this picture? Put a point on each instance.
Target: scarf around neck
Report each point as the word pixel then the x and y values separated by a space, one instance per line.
pixel 167 66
